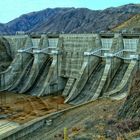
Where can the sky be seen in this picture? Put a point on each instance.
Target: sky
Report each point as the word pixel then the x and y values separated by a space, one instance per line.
pixel 10 9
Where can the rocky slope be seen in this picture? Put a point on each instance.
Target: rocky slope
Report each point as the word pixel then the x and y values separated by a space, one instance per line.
pixel 4 29
pixel 131 107
pixel 5 58
pixel 71 20
pixel 86 21
pixel 31 20
pixel 133 24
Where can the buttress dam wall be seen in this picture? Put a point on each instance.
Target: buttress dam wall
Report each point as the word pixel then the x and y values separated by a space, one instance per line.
pixel 80 67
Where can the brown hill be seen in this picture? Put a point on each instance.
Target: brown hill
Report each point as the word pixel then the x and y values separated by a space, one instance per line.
pixel 71 20
pixel 133 24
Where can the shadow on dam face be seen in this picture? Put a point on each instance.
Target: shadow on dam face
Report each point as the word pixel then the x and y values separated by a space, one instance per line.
pixel 21 108
pixel 5 54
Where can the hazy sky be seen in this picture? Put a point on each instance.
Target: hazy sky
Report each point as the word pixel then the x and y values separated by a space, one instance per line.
pixel 10 9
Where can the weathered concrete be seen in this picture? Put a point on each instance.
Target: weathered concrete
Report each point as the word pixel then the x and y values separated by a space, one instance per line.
pixel 127 76
pixel 39 59
pixel 6 126
pixel 44 66
pixel 9 76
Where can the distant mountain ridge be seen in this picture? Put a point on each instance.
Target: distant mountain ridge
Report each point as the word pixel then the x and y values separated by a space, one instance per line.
pixel 4 29
pixel 71 20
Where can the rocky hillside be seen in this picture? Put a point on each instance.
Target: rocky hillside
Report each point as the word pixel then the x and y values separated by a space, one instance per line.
pixel 29 21
pixel 5 58
pixel 4 29
pixel 133 24
pixel 131 107
pixel 86 21
pixel 74 20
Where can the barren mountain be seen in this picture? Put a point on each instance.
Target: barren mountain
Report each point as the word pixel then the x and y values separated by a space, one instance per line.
pixel 133 24
pixel 71 20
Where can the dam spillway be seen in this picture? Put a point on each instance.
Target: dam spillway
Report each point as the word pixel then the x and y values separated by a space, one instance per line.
pixel 82 67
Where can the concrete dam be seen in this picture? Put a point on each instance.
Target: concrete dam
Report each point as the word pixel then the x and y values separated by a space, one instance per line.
pixel 80 67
